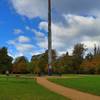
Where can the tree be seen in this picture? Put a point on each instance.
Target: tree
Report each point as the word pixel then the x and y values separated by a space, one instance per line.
pixel 78 55
pixel 20 65
pixel 34 64
pixel 96 50
pixel 89 56
pixel 40 61
pixel 61 63
pixel 91 63
pixel 5 60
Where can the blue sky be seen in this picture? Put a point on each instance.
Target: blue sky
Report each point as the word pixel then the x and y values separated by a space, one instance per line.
pixel 23 25
pixel 14 26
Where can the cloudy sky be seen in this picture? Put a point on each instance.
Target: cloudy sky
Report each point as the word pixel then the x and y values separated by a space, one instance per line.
pixel 23 25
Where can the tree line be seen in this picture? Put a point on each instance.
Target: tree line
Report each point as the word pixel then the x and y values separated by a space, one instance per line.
pixel 79 62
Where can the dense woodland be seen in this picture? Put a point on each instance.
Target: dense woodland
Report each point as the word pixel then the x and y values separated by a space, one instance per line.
pixel 79 62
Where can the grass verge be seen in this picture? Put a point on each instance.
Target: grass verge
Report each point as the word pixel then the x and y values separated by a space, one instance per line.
pixel 89 83
pixel 24 89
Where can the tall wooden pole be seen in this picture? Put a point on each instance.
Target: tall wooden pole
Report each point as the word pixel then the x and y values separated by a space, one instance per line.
pixel 49 40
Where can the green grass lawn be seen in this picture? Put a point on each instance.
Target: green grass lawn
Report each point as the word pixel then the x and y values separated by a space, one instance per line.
pixel 24 89
pixel 90 84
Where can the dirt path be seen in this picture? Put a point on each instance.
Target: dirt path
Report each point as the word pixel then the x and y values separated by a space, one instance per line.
pixel 67 92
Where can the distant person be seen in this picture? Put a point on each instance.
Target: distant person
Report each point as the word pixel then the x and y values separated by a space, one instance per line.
pixel 7 73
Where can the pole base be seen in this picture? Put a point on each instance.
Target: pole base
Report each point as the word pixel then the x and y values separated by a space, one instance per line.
pixel 49 72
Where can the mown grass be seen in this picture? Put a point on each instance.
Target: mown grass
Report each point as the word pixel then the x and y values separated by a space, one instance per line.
pixel 89 83
pixel 24 89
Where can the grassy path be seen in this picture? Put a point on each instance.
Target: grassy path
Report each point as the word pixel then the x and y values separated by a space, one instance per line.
pixel 67 92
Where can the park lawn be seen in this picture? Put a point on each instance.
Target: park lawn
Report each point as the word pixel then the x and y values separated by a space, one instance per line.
pixel 89 84
pixel 25 89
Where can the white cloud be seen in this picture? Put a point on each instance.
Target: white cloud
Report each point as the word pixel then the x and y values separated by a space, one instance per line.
pixel 43 26
pixel 21 45
pixel 30 8
pixel 34 8
pixel 24 47
pixel 90 44
pixel 36 52
pixel 41 39
pixel 17 31
pixel 79 29
pixel 79 20
pixel 81 25
pixel 11 42
pixel 20 39
pixel 21 49
pixel 23 39
pixel 84 29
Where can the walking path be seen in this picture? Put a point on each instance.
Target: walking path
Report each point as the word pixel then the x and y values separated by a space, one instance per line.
pixel 67 92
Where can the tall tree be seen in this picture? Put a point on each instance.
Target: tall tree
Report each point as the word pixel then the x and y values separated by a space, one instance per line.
pixel 5 60
pixel 78 54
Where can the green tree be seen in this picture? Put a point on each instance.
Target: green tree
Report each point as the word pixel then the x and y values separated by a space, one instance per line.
pixel 78 55
pixel 5 60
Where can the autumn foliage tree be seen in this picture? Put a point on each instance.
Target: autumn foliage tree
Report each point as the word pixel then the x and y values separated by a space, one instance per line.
pixel 91 64
pixel 77 62
pixel 40 62
pixel 20 65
